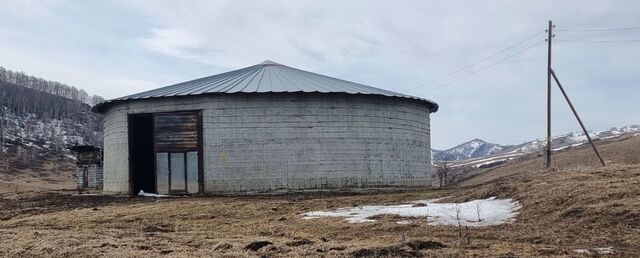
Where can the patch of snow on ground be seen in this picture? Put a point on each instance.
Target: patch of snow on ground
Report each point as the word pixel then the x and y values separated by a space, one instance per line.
pixel 491 211
pixel 568 146
pixel 488 163
pixel 490 159
pixel 142 193
pixel 599 250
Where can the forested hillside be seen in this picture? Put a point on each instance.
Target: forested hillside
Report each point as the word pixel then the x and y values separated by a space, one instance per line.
pixel 51 87
pixel 39 121
pixel 32 117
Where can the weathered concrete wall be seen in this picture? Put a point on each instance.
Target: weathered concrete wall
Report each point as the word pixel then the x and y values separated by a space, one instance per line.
pixel 262 142
pixel 116 150
pixel 94 176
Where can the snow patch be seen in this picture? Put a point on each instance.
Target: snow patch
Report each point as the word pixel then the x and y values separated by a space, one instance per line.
pixel 489 163
pixel 599 250
pixel 568 146
pixel 142 193
pixel 482 212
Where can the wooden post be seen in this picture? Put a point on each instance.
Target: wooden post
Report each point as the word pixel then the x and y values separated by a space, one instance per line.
pixel 550 35
pixel 584 129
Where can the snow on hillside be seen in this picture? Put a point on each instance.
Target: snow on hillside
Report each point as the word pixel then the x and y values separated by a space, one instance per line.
pixel 28 131
pixel 472 149
pixel 479 153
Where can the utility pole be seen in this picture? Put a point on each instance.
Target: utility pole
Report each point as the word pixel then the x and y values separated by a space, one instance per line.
pixel 549 37
pixel 550 74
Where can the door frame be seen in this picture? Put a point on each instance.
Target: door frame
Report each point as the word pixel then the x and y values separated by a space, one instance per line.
pixel 199 149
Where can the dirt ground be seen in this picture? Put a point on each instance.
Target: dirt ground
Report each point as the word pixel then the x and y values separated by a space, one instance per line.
pixel 577 205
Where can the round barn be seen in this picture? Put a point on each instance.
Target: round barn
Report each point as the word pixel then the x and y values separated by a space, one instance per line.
pixel 267 127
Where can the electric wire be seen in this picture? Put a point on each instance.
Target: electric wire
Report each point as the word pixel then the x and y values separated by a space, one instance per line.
pixel 476 62
pixel 598 41
pixel 485 68
pixel 606 29
pixel 519 52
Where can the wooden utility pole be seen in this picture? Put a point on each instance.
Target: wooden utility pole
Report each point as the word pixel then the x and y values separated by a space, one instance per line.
pixel 549 37
pixel 550 74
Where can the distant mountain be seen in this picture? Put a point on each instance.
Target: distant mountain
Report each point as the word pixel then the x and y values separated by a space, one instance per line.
pixel 472 149
pixel 571 139
pixel 479 152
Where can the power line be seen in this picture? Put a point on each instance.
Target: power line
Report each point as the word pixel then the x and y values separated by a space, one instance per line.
pixel 607 29
pixel 474 63
pixel 486 67
pixel 598 41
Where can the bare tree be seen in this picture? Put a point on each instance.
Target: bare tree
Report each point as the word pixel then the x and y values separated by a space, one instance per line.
pixel 477 205
pixel 448 175
pixel 457 208
pixel 463 232
pixel 442 170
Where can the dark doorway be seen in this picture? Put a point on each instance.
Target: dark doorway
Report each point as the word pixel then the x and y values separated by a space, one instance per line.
pixel 141 154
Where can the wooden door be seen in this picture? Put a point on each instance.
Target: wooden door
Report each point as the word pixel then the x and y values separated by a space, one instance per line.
pixel 178 151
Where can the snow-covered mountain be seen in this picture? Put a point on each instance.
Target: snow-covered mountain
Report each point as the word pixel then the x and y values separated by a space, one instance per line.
pixel 472 149
pixel 480 152
pixel 571 139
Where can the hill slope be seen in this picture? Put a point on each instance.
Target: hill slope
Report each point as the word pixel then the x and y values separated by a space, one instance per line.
pixel 36 130
pixel 578 203
pixel 478 153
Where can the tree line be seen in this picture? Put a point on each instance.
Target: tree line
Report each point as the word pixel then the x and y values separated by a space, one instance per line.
pixel 23 100
pixel 51 87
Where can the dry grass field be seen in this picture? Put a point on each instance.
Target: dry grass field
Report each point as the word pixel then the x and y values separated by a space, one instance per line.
pixel 577 205
pixel 47 173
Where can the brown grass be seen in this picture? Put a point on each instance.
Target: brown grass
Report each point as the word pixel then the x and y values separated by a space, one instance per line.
pixel 48 173
pixel 577 205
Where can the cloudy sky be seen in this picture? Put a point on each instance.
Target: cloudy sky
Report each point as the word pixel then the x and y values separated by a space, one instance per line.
pixel 115 48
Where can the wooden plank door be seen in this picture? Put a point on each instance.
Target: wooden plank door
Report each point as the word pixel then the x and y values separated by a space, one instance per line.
pixel 177 147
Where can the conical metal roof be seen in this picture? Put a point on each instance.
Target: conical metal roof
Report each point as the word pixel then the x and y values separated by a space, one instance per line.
pixel 265 77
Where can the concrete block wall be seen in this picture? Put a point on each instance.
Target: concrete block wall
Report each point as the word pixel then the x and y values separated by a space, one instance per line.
pixel 116 150
pixel 94 176
pixel 264 142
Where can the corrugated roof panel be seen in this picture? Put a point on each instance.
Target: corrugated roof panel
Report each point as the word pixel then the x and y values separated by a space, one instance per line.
pixel 267 76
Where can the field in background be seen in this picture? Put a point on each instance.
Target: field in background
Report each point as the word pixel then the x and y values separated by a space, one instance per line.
pixel 47 172
pixel 579 205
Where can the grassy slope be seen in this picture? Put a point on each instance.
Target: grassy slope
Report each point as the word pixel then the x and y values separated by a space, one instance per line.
pixel 623 150
pixel 578 205
pixel 46 173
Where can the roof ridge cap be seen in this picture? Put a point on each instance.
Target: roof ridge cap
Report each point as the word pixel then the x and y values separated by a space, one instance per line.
pixel 269 62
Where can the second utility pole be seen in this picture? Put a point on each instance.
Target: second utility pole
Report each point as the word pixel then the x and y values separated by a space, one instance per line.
pixel 550 30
